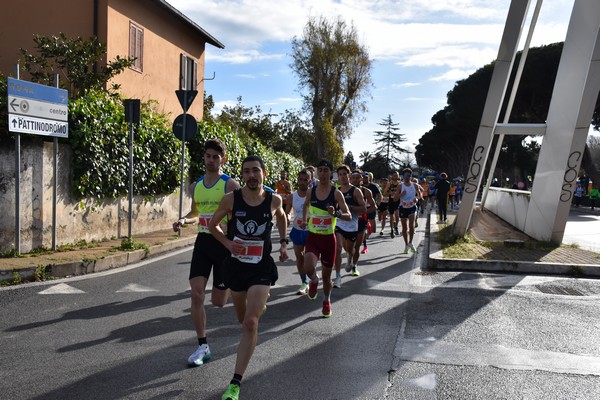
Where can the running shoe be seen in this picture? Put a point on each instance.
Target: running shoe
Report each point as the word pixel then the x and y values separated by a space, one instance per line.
pixel 355 271
pixel 396 231
pixel 337 282
pixel 405 249
pixel 411 247
pixel 365 250
pixel 232 392
pixel 392 233
pixel 381 233
pixel 312 289
pixel 326 312
pixel 416 224
pixel 302 289
pixel 201 355
pixel 348 266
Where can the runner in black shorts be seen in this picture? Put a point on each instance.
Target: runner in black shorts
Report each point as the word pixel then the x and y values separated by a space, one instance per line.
pixel 208 253
pixel 251 270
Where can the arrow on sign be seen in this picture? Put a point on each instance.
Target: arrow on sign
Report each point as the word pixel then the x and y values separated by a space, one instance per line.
pixel 14 106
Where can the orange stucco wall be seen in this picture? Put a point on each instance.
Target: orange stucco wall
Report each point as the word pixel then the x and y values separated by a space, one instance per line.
pixel 165 38
pixel 20 21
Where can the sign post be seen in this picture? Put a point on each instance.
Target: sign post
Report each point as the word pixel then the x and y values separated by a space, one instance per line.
pixel 39 110
pixel 132 116
pixel 186 97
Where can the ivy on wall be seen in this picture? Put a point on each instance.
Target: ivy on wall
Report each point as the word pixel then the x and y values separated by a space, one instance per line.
pixel 99 138
pixel 237 150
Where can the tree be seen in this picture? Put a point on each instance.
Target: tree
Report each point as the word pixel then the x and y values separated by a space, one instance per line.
pixel 79 61
pixel 365 157
pixel 388 142
pixel 449 144
pixel 349 160
pixel 335 69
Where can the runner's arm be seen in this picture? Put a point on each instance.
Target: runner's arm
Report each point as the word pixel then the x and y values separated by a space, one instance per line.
pixel 189 218
pixel 343 207
pixel 305 208
pixel 281 221
pixel 225 208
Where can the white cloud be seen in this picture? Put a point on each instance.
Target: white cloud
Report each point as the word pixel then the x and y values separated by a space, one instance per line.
pixel 452 75
pixel 404 85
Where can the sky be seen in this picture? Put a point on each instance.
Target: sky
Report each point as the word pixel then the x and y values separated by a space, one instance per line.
pixel 419 48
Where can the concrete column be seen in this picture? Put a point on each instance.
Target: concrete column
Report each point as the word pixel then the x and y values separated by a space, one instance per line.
pixel 569 116
pixel 515 20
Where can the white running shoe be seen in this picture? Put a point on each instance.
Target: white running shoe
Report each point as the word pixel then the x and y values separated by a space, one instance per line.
pixel 405 249
pixel 411 247
pixel 201 355
pixel 337 282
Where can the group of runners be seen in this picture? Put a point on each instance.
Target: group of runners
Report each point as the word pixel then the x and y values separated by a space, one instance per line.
pixel 234 238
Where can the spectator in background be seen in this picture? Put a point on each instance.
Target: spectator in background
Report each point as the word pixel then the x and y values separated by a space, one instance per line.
pixel 442 187
pixel 594 195
pixel 578 194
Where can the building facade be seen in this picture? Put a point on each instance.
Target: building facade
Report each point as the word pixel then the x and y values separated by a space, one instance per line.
pixel 169 47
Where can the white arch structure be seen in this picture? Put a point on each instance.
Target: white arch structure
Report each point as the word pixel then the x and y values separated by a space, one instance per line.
pixel 566 129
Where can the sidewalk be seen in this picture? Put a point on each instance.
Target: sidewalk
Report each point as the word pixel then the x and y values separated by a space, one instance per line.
pixel 518 255
pixel 490 256
pixel 104 256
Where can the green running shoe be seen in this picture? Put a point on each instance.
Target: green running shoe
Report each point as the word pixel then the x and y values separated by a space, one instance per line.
pixel 232 392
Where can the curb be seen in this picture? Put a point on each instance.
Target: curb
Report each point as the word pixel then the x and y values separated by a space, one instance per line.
pixel 74 268
pixel 436 261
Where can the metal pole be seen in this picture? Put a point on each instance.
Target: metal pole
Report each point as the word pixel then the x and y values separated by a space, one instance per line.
pixel 511 99
pixel 185 94
pixel 130 172
pixel 55 182
pixel 17 184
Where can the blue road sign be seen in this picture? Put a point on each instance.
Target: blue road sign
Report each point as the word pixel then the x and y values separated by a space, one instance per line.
pixel 35 91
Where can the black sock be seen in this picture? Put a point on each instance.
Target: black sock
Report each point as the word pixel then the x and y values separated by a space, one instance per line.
pixel 237 380
pixel 201 341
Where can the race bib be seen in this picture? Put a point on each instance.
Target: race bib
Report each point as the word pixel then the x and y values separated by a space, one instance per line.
pixel 322 223
pixel 408 204
pixel 253 250
pixel 203 221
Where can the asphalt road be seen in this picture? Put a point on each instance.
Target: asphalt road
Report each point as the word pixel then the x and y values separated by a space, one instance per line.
pixel 396 333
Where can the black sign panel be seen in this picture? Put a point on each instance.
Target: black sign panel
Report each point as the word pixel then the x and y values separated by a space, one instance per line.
pixel 186 98
pixel 191 127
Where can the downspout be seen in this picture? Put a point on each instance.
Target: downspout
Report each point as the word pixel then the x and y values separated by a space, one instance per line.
pixel 95 29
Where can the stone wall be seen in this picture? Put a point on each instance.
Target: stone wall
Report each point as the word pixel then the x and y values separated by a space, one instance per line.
pixel 87 219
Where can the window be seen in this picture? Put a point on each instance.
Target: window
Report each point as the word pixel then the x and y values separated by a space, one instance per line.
pixel 188 73
pixel 136 46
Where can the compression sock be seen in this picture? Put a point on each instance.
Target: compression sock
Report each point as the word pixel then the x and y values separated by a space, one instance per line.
pixel 237 380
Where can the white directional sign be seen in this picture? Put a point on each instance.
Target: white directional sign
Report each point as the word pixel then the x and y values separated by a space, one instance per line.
pixel 37 109
pixel 38 126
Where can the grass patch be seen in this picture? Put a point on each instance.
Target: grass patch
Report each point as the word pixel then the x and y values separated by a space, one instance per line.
pixel 129 244
pixel 10 253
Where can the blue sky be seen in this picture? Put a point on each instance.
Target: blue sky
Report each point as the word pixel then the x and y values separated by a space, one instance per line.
pixel 420 48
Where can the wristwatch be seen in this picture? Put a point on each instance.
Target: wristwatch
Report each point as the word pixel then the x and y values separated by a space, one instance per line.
pixel 284 240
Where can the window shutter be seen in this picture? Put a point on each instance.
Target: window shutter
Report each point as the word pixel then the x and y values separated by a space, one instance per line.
pixel 140 49
pixel 182 67
pixel 195 76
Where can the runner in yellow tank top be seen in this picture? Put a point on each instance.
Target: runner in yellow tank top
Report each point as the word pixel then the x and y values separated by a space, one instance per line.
pixel 209 255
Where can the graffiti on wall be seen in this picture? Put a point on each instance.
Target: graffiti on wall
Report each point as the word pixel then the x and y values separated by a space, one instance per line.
pixel 474 170
pixel 570 176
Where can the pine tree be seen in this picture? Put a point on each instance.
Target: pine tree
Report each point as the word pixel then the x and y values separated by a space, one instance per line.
pixel 388 144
